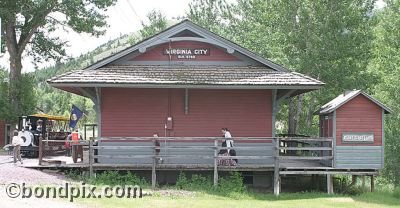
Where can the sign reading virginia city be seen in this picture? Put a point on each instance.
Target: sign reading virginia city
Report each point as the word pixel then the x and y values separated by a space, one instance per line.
pixel 187 53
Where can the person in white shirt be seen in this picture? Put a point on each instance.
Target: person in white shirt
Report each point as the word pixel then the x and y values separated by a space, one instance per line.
pixel 228 137
pixel 227 143
pixel 16 142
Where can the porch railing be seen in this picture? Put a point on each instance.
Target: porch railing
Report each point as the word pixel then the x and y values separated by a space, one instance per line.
pixel 306 149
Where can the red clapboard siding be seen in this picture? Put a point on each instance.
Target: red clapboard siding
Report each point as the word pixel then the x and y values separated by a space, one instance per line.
pixel 359 115
pixel 141 112
pixel 157 53
pixel 2 134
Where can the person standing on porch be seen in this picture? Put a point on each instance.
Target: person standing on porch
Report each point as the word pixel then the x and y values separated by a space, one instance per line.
pixel 227 143
pixel 157 148
pixel 228 138
pixel 16 142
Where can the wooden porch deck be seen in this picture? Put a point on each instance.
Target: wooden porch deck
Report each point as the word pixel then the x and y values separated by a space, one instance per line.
pixel 286 168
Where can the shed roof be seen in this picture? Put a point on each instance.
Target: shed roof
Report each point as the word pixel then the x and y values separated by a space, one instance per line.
pixel 186 76
pixel 346 97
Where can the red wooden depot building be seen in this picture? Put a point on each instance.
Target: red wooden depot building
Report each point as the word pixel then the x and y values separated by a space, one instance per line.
pixel 186 83
pixel 199 80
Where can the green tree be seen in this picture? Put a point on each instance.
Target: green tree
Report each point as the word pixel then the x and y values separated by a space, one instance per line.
pixel 210 14
pixel 26 92
pixel 386 62
pixel 28 25
pixel 328 40
pixel 156 23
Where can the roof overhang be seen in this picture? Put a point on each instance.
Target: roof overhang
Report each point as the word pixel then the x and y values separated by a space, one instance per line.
pixel 186 86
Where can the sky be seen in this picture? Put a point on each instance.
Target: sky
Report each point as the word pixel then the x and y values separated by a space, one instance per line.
pixel 123 18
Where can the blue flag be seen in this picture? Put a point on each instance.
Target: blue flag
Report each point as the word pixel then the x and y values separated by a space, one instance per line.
pixel 76 114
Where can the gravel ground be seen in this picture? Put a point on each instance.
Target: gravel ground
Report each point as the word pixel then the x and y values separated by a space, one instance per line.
pixel 10 173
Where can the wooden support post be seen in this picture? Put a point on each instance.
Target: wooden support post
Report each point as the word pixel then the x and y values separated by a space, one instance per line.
pixel 277 185
pixel 215 162
pixel 372 183
pixel 91 158
pixel 153 169
pixel 353 180
pixel 329 183
pixel 363 181
pixel 40 150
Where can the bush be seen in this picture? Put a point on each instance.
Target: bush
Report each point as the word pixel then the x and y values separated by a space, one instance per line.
pixel 396 192
pixel 195 183
pixel 231 185
pixel 75 175
pixel 113 178
pixel 353 190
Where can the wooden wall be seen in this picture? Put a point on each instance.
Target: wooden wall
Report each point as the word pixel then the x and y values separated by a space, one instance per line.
pixel 141 112
pixel 359 115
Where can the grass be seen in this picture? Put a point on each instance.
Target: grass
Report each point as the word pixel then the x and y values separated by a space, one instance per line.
pixel 198 191
pixel 309 200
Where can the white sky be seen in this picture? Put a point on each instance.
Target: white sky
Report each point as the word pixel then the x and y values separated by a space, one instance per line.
pixel 125 17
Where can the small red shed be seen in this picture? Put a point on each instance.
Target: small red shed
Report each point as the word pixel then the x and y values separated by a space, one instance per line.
pixel 356 121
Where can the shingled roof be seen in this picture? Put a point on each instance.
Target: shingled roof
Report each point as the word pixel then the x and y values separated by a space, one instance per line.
pixel 346 97
pixel 252 72
pixel 124 76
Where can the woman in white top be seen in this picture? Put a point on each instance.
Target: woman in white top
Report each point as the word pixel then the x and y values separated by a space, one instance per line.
pixel 227 143
pixel 228 137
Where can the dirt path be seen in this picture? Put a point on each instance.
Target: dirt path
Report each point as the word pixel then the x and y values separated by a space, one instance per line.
pixel 10 173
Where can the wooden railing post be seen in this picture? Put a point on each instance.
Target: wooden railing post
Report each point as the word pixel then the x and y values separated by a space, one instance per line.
pixel 91 158
pixel 40 150
pixel 215 162
pixel 277 184
pixel 329 183
pixel 372 183
pixel 333 154
pixel 153 169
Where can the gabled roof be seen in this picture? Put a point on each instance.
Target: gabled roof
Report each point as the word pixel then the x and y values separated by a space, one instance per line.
pixel 109 72
pixel 185 76
pixel 346 97
pixel 167 35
